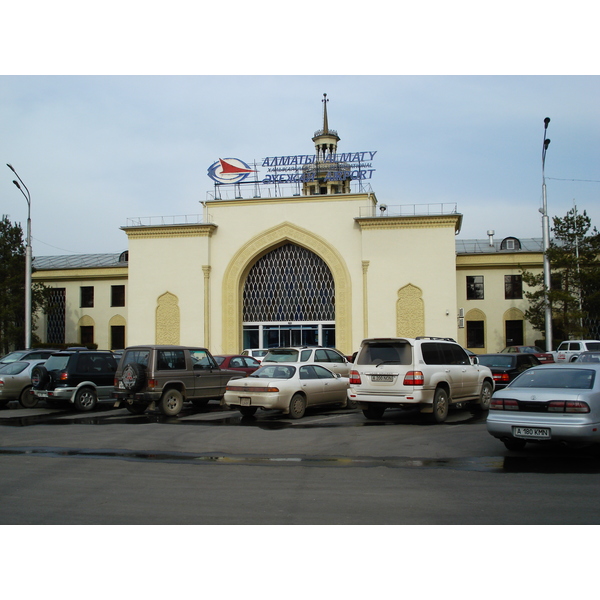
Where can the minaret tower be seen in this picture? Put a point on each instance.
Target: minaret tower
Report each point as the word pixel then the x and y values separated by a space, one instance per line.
pixel 329 176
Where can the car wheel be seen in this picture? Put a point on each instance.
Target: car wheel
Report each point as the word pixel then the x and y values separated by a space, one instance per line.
pixel 297 406
pixel 374 412
pixel 136 409
pixel 27 400
pixel 514 444
pixel 171 403
pixel 441 404
pixel 133 377
pixel 85 399
pixel 485 397
pixel 248 411
pixel 39 377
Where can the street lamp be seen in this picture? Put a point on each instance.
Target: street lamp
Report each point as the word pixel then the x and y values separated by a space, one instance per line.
pixel 27 258
pixel 546 242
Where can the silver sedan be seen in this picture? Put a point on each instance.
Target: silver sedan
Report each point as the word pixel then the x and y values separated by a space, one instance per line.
pixel 558 403
pixel 15 381
pixel 286 387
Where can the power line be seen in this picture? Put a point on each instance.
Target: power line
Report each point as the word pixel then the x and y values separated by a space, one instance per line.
pixel 587 180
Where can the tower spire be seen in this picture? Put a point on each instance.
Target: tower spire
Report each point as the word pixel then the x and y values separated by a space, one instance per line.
pixel 325 124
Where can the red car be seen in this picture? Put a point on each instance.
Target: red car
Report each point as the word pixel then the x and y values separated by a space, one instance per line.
pixel 235 362
pixel 543 357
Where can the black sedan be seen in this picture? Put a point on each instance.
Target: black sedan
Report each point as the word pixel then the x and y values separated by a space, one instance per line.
pixel 505 367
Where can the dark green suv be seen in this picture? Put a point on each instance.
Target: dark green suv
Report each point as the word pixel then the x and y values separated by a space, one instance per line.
pixel 81 377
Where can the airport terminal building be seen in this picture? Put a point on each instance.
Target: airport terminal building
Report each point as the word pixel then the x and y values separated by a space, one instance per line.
pixel 296 250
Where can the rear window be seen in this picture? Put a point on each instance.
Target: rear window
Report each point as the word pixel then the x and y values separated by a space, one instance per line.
pixel 500 362
pixel 137 356
pixel 57 362
pixel 547 377
pixel 275 372
pixel 282 356
pixel 14 368
pixel 392 352
pixel 594 346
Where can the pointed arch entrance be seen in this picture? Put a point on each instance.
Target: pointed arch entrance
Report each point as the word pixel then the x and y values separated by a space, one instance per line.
pixel 286 236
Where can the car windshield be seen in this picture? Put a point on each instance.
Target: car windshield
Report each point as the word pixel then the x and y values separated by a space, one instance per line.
pixel 546 377
pixel 14 368
pixel 500 362
pixel 284 355
pixel 275 372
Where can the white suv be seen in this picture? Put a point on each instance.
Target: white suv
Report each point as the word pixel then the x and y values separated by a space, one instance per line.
pixel 431 373
pixel 328 357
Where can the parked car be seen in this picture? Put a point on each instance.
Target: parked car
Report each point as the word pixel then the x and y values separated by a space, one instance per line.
pixel 289 387
pixel 82 377
pixel 257 353
pixel 246 364
pixel 569 351
pixel 428 373
pixel 328 357
pixel 35 354
pixel 505 367
pixel 588 357
pixel 15 381
pixel 543 357
pixel 549 403
pixel 167 376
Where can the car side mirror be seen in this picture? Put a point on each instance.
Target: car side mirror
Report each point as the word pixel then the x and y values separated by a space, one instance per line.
pixel 474 360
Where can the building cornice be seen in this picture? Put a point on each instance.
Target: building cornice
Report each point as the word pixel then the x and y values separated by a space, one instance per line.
pixel 169 231
pixel 494 261
pixel 79 274
pixel 412 222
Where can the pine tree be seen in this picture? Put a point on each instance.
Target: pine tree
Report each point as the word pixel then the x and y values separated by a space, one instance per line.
pixel 575 279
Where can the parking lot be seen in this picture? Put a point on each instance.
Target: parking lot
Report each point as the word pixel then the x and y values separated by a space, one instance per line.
pixel 212 466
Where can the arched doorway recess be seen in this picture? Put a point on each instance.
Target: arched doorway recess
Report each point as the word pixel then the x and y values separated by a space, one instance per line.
pixel 246 257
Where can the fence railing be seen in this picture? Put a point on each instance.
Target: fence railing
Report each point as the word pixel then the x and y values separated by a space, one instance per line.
pixel 169 220
pixel 408 210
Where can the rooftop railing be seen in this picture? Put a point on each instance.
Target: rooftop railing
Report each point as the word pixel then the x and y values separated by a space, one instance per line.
pixel 408 210
pixel 170 220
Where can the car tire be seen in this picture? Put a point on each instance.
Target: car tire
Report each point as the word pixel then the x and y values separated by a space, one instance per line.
pixel 297 406
pixel 86 399
pixel 133 377
pixel 485 396
pixel 514 444
pixel 171 403
pixel 373 412
pixel 441 405
pixel 27 400
pixel 39 377
pixel 248 411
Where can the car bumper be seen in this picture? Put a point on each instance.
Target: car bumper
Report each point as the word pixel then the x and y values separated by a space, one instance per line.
pixel 272 400
pixel 567 428
pixel 141 397
pixel 413 397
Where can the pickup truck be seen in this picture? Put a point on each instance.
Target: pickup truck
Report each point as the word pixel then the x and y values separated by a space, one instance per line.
pixel 569 351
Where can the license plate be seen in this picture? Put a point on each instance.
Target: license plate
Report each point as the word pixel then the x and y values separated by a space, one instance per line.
pixel 41 394
pixel 245 401
pixel 532 432
pixel 385 378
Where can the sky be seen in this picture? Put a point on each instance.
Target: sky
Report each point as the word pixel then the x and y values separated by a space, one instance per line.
pixel 108 119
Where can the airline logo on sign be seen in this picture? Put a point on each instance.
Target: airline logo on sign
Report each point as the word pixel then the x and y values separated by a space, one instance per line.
pixel 229 170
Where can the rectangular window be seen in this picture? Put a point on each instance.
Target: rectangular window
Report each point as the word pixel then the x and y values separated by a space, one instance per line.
pixel 87 296
pixel 87 334
pixel 474 287
pixel 513 287
pixel 475 334
pixel 117 295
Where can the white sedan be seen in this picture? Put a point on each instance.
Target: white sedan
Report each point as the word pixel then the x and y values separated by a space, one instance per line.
pixel 286 387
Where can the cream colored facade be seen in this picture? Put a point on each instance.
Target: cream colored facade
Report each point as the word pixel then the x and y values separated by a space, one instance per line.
pixel 393 275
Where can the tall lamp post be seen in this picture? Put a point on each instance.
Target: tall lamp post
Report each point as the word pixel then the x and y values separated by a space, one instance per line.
pixel 28 260
pixel 546 241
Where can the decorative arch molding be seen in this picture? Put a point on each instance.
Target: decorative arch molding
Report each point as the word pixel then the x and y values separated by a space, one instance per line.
pixel 116 321
pixel 243 260
pixel 410 312
pixel 514 314
pixel 168 319
pixel 86 321
pixel 475 314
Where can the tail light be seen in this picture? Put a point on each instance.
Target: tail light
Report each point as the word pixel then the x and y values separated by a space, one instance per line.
pixel 502 404
pixel 501 377
pixel 355 378
pixel 152 383
pixel 414 378
pixel 568 406
pixel 63 376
